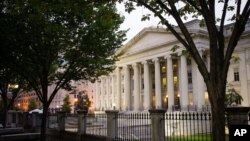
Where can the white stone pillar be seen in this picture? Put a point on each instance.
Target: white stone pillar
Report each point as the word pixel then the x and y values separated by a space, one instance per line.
pixel 158 97
pixel 113 92
pixel 147 93
pixel 127 87
pixel 200 87
pixel 184 84
pixel 102 94
pixel 170 83
pixel 243 79
pixel 136 87
pixel 118 88
pixel 194 82
pixel 96 95
pixel 107 93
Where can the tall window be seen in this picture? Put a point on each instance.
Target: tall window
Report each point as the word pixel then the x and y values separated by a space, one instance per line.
pixel 189 77
pixel 236 74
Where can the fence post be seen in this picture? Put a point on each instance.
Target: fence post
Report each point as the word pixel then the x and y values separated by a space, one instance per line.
pixel 61 120
pixel 34 117
pixel 82 121
pixel 157 124
pixel 238 115
pixel 112 121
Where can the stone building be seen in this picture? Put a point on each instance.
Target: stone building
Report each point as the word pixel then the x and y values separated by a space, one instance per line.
pixel 150 75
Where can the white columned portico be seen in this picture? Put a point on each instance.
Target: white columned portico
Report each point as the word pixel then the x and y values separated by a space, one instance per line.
pixel 184 83
pixel 158 97
pixel 113 91
pixel 170 83
pixel 147 92
pixel 136 87
pixel 243 79
pixel 118 88
pixel 127 87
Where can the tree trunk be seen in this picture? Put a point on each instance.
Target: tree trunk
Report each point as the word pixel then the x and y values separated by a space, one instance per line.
pixel 218 121
pixel 44 122
pixel 5 111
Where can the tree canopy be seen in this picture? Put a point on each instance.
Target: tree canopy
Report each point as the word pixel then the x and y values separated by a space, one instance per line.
pixel 56 42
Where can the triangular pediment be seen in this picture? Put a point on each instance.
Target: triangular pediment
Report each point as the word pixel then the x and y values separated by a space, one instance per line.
pixel 147 39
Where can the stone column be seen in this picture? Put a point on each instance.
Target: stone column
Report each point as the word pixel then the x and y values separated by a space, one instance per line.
pixel 157 124
pixel 243 79
pixel 170 82
pixel 200 87
pixel 184 84
pixel 118 88
pixel 194 82
pixel 147 93
pixel 102 94
pixel 112 122
pixel 127 87
pixel 82 122
pixel 96 95
pixel 113 92
pixel 158 97
pixel 136 87
pixel 61 120
pixel 107 93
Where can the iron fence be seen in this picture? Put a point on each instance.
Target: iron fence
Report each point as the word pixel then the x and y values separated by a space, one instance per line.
pixel 182 126
pixel 71 122
pixel 97 124
pixel 134 126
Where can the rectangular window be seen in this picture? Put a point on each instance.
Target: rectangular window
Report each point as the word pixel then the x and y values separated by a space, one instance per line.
pixel 236 74
pixel 189 77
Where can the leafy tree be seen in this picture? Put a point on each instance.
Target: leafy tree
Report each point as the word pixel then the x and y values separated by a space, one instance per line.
pixel 32 104
pixel 86 102
pixel 233 97
pixel 219 51
pixel 66 107
pixel 51 43
pixel 11 85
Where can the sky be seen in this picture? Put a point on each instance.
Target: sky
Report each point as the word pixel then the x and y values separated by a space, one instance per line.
pixel 135 25
pixel 133 21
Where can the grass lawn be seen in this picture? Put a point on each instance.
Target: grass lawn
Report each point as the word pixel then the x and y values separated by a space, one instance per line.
pixel 197 137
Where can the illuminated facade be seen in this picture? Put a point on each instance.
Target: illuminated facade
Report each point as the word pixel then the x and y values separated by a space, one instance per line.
pixel 150 75
pixel 23 99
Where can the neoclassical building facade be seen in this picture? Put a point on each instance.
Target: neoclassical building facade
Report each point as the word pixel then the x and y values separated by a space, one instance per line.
pixel 149 74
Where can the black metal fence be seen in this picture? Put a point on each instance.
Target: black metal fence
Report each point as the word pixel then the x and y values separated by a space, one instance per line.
pixel 134 126
pixel 188 126
pixel 97 124
pixel 71 122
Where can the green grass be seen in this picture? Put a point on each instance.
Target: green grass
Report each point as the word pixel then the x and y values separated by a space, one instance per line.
pixel 196 137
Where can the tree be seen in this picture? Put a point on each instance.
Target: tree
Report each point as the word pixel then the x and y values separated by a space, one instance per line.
pixel 32 104
pixel 86 102
pixel 66 107
pixel 11 85
pixel 232 97
pixel 220 53
pixel 51 43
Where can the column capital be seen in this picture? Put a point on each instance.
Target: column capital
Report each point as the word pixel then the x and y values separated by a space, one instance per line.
pixel 118 67
pixel 126 66
pixel 156 59
pixel 135 64
pixel 144 62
